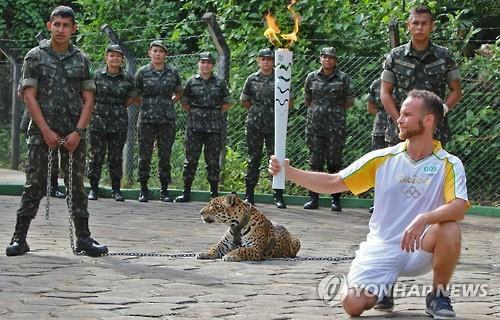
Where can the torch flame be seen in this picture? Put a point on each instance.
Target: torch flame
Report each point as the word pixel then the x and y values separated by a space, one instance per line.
pixel 273 29
pixel 292 37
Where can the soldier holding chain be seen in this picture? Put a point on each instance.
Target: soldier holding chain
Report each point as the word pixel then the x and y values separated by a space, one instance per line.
pixel 58 91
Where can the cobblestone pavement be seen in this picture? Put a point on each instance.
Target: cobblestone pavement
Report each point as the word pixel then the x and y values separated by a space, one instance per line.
pixel 51 283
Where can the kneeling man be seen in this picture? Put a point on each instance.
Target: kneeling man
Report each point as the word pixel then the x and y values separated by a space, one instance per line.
pixel 420 194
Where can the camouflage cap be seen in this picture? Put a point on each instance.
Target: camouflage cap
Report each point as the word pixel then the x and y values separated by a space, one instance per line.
pixel 266 52
pixel 328 51
pixel 158 43
pixel 114 48
pixel 207 56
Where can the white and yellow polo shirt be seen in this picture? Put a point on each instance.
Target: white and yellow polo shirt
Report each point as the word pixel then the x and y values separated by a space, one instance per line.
pixel 404 188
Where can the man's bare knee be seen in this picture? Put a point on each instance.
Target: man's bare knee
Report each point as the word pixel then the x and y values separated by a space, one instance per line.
pixel 450 232
pixel 355 302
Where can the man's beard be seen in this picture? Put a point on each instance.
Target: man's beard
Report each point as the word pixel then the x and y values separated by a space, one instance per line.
pixel 412 133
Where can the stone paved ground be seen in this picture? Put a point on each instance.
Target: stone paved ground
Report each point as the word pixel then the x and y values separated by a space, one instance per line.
pixel 51 283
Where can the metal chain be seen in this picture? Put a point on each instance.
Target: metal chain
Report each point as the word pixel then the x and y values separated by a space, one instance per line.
pixel 49 182
pixel 70 204
pixel 152 254
pixel 49 179
pixel 306 258
pixel 192 255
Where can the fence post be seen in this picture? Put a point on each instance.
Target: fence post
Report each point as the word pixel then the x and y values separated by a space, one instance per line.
pixel 220 44
pixel 15 124
pixel 128 150
pixel 222 71
pixel 394 33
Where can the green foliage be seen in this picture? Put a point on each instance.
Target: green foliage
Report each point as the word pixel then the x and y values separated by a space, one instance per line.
pixel 356 28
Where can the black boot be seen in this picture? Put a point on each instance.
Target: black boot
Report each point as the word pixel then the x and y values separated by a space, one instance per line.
pixel 94 189
pixel 278 199
pixel 164 194
pixel 214 189
pixel 336 202
pixel 185 196
pixel 144 193
pixel 313 201
pixel 84 242
pixel 54 191
pixel 54 185
pixel 18 245
pixel 115 190
pixel 249 194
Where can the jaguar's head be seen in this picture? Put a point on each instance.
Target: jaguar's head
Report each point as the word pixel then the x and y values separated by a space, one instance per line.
pixel 227 209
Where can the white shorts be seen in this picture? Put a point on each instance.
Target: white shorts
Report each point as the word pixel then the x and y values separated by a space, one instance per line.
pixel 377 266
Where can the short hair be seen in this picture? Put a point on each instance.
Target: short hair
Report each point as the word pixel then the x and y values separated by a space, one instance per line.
pixel 421 10
pixel 63 12
pixel 431 103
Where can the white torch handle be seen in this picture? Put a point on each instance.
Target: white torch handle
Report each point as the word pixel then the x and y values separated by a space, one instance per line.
pixel 283 79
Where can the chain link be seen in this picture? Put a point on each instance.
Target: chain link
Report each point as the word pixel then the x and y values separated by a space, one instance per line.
pixel 49 178
pixel 307 258
pixel 192 255
pixel 49 182
pixel 70 205
pixel 152 254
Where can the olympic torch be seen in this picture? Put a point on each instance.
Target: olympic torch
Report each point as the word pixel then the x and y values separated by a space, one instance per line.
pixel 283 60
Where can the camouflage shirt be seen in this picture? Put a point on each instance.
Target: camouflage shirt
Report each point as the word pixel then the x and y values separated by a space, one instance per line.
pixel 60 80
pixel 157 87
pixel 205 97
pixel 112 92
pixel 430 70
pixel 327 94
pixel 259 89
pixel 380 121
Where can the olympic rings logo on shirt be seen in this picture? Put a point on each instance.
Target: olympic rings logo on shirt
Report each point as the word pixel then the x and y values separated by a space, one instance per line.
pixel 411 192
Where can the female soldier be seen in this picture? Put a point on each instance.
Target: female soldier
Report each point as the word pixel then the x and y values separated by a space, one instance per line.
pixel 115 90
pixel 159 85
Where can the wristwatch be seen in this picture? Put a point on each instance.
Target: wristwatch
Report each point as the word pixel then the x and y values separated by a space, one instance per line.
pixel 80 131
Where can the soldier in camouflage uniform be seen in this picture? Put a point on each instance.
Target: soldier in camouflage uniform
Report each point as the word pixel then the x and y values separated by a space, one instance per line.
pixel 58 91
pixel 115 90
pixel 258 97
pixel 376 108
pixel 328 94
pixel 419 64
pixel 159 85
pixel 205 98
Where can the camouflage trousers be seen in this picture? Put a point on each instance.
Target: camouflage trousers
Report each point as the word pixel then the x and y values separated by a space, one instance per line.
pixel 255 142
pixel 164 135
pixel 35 187
pixel 211 142
pixel 378 142
pixel 325 149
pixel 101 143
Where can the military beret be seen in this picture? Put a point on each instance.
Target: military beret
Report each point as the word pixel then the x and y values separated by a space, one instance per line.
pixel 114 48
pixel 207 56
pixel 158 43
pixel 266 52
pixel 328 51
